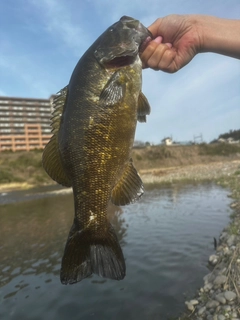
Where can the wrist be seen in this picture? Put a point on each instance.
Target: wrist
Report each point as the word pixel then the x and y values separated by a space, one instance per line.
pixel 218 35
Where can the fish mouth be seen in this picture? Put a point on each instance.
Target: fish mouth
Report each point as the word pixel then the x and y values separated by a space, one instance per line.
pixel 125 60
pixel 145 43
pixel 119 62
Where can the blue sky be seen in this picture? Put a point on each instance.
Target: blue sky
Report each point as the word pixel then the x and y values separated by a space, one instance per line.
pixel 42 40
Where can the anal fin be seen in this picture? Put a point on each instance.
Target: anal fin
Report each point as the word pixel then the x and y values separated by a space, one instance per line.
pixel 129 188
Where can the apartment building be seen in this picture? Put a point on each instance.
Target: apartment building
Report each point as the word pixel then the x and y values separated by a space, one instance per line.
pixel 24 123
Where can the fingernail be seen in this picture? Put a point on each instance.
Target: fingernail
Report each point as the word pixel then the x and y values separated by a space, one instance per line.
pixel 169 45
pixel 158 40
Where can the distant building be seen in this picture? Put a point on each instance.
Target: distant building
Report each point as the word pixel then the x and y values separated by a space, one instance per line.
pixel 228 140
pixel 167 141
pixel 24 123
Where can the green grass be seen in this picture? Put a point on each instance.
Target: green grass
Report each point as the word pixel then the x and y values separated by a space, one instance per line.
pixel 24 161
pixel 218 149
pixel 158 153
pixel 233 229
pixel 7 177
pixel 23 167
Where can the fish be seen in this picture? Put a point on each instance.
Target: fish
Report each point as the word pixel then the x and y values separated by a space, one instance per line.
pixel 93 125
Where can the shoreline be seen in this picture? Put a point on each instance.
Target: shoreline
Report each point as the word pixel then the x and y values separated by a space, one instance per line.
pixel 219 296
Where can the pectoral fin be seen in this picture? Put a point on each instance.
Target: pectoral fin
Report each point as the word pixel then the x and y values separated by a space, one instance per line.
pixel 144 108
pixel 114 90
pixel 129 188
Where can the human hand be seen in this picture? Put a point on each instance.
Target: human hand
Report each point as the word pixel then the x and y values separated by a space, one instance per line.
pixel 177 40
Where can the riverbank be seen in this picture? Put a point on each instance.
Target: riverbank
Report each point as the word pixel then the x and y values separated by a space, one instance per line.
pixel 23 170
pixel 219 296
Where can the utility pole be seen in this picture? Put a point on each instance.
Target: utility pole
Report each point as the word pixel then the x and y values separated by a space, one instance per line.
pixel 198 139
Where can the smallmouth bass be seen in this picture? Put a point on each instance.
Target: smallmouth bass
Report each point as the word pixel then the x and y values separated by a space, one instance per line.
pixel 94 122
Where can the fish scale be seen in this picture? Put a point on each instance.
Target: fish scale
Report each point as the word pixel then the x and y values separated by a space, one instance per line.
pixel 94 123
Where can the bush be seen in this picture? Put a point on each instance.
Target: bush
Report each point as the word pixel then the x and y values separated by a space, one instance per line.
pixel 6 177
pixel 159 153
pixel 219 149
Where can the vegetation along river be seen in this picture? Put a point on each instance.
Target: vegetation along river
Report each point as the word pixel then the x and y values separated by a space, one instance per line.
pixel 166 238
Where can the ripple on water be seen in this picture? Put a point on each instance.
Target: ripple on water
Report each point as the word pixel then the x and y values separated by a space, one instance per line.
pixel 166 238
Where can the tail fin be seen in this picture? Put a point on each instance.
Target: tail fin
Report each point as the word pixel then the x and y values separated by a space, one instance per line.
pixel 86 253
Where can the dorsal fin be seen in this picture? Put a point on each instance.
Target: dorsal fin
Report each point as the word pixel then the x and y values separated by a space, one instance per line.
pixel 58 105
pixel 51 156
pixel 129 188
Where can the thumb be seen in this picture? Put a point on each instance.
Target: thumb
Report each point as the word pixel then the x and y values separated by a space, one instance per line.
pixel 154 27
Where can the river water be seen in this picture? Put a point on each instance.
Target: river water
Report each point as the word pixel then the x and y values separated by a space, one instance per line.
pixel 166 238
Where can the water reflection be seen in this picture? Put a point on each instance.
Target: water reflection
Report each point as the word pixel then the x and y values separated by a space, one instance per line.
pixel 166 239
pixel 32 236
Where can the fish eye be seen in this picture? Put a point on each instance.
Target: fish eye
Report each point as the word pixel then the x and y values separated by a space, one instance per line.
pixel 132 24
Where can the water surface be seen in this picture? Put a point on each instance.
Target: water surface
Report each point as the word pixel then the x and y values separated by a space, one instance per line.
pixel 166 238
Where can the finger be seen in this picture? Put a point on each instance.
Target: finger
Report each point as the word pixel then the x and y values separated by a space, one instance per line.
pixel 147 53
pixel 154 27
pixel 167 62
pixel 158 40
pixel 156 56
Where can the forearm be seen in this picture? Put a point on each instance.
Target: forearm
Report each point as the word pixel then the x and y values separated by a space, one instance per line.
pixel 218 35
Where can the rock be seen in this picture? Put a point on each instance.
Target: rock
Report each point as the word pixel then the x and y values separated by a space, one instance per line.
pixel 215 317
pixel 229 295
pixel 221 317
pixel 189 305
pixel 226 251
pixel 194 302
pixel 220 297
pixel 207 278
pixel 201 311
pixel 233 205
pixel 223 236
pixel 218 309
pixel 207 287
pixel 231 240
pixel 223 270
pixel 212 304
pixel 227 308
pixel 219 248
pixel 220 280
pixel 213 259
